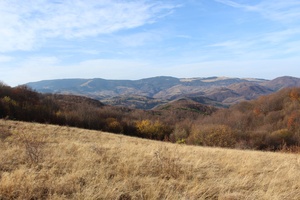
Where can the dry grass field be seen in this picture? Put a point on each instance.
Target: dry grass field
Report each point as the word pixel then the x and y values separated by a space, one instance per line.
pixel 39 161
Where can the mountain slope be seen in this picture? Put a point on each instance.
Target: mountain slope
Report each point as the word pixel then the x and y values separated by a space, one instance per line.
pixel 151 87
pixel 282 82
pixel 223 90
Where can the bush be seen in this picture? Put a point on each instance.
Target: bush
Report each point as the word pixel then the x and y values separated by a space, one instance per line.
pixel 178 134
pixel 281 137
pixel 213 135
pixel 112 125
pixel 153 130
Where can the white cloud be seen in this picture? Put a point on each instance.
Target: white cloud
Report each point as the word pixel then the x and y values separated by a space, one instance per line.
pixel 285 11
pixel 25 24
pixel 261 46
pixel 4 59
pixel 281 36
pixel 141 38
pixel 268 69
pixel 40 61
pixel 237 5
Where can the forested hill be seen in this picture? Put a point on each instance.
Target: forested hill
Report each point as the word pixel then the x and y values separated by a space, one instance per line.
pixel 270 122
pixel 151 92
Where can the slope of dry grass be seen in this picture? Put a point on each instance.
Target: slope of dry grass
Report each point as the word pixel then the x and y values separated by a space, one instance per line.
pixel 51 162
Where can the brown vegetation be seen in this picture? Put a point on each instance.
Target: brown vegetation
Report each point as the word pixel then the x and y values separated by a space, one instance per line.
pixel 74 163
pixel 269 123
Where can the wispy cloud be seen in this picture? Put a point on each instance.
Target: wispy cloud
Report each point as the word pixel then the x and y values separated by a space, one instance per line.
pixel 25 24
pixel 268 69
pixel 282 35
pixel 285 16
pixel 5 58
pixel 261 46
pixel 140 39
pixel 237 5
pixel 287 11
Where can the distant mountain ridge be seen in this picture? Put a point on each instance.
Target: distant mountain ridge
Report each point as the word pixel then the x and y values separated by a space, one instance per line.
pixel 150 92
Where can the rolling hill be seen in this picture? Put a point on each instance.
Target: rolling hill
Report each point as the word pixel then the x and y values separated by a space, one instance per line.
pixel 271 122
pixel 150 92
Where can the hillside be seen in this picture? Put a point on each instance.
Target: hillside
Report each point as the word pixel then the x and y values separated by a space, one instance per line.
pixel 133 101
pixel 150 92
pixel 282 82
pixel 54 162
pixel 270 122
pixel 186 104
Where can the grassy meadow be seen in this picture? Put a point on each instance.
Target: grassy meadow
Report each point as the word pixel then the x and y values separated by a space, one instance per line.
pixel 40 161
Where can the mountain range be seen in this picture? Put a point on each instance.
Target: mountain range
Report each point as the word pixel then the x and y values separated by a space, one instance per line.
pixel 151 92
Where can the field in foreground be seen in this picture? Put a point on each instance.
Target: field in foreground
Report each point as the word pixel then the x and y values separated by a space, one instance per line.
pixel 40 161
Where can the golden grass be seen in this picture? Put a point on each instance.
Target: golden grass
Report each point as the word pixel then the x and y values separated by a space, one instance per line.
pixel 74 163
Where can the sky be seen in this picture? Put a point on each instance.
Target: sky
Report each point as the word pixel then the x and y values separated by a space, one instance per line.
pixel 135 39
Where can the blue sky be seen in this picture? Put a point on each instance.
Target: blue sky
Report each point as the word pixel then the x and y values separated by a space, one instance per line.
pixel 134 39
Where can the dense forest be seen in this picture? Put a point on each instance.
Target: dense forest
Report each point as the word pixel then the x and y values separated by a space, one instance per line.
pixel 271 122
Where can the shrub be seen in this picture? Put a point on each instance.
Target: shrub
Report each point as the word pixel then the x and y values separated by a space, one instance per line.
pixel 112 125
pixel 153 130
pixel 213 135
pixel 178 134
pixel 276 139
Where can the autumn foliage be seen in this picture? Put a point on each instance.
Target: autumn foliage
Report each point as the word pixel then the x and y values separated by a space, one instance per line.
pixel 268 123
